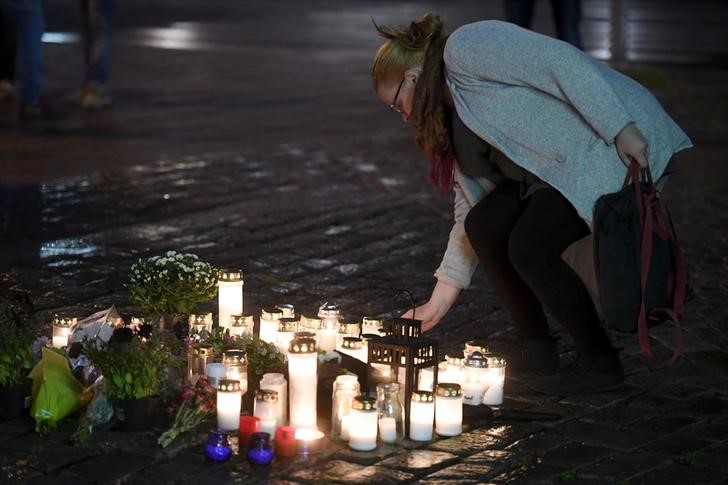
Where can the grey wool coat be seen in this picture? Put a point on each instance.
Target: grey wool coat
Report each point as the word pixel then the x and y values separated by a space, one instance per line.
pixel 554 111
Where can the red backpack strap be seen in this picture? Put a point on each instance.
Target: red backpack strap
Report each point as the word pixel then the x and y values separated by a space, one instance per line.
pixel 648 203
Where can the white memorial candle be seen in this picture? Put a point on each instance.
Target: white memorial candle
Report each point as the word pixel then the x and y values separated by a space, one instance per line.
pixel 370 325
pixel 287 310
pixel 287 328
pixel 269 321
pixel 62 330
pixel 363 424
pixel 229 400
pixel 229 295
pixel 495 379
pixel 345 420
pixel 215 373
pixel 422 415
pixel 452 371
pixel 237 367
pixel 448 410
pixel 277 382
pixel 241 324
pixel 302 374
pixel 388 430
pixel 329 314
pixel 265 408
pixel 475 380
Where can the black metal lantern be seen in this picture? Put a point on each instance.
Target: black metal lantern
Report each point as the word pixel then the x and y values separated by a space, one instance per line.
pixel 402 347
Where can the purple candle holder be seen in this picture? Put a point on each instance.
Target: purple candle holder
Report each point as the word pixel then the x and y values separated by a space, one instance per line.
pixel 217 448
pixel 260 449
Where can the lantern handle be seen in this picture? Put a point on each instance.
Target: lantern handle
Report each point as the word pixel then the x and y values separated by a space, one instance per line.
pixel 411 298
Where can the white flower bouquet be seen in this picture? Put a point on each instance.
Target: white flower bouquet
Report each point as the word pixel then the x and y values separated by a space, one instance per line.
pixel 174 283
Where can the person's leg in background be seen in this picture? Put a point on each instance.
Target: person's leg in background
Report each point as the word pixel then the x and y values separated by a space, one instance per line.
pixel 96 33
pixel 519 12
pixel 567 16
pixel 8 46
pixel 548 225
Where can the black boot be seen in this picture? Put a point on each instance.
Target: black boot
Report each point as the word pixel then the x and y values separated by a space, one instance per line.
pixel 532 357
pixel 596 374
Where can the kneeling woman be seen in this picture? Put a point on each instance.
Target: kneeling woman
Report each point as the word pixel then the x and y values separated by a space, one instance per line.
pixel 529 131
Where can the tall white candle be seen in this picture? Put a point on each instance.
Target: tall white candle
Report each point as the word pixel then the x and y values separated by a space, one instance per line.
pixel 363 424
pixel 265 408
pixel 229 401
pixel 422 415
pixel 236 365
pixel 277 382
pixel 312 325
pixel 329 314
pixel 229 295
pixel 302 372
pixel 327 339
pixel 448 410
pixel 452 371
pixel 345 420
pixel 269 320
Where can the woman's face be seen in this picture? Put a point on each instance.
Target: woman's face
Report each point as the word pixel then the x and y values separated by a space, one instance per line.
pixel 399 96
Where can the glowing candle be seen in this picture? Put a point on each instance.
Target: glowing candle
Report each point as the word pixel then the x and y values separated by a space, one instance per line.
pixel 200 321
pixel 311 324
pixel 269 324
pixel 277 382
pixel 475 382
pixel 346 387
pixel 422 415
pixel 452 371
pixel 62 330
pixel 288 310
pixel 265 408
pixel 197 358
pixel 345 330
pixel 302 374
pixel 371 325
pixel 363 424
pixel 287 327
pixel 229 400
pixel 237 367
pixel 241 324
pixel 229 296
pixel 495 379
pixel 472 346
pixel 355 347
pixel 329 314
pixel 448 410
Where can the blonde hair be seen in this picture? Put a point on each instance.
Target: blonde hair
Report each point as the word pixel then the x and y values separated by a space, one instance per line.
pixel 421 44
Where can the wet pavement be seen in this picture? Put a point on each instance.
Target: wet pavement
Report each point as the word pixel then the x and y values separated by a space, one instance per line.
pixel 251 136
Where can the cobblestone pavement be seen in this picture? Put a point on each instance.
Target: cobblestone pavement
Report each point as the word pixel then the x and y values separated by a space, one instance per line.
pixel 265 149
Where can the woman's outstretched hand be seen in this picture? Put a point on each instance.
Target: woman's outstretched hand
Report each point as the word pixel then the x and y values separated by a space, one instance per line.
pixel 632 145
pixel 442 298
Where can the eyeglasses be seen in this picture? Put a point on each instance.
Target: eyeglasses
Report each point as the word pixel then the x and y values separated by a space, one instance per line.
pixel 393 106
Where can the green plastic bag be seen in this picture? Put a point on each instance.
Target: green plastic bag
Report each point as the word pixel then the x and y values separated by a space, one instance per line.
pixel 56 393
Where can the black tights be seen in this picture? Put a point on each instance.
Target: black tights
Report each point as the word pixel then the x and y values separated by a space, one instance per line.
pixel 519 244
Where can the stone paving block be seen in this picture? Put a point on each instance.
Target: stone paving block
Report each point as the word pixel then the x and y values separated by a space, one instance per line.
pixel 601 400
pixel 51 459
pixel 376 474
pixel 538 444
pixel 461 472
pixel 606 435
pixel 532 472
pixel 108 467
pixel 575 454
pixel 677 474
pixel 419 462
pixel 622 465
pixel 468 443
pixel 664 425
pixel 46 480
pixel 381 452
pixel 618 415
pixel 330 471
pixel 678 446
pixel 185 465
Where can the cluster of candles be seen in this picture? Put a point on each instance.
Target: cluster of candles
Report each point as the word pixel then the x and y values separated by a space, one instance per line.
pixel 357 418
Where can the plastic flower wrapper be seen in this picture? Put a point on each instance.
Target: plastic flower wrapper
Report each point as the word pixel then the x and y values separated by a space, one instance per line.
pixel 198 402
pixel 56 393
pixel 98 412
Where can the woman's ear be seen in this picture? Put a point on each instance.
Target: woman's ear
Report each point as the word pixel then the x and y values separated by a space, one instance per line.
pixel 413 73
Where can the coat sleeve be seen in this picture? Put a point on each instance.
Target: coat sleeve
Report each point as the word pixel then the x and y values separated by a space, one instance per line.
pixel 459 262
pixel 509 55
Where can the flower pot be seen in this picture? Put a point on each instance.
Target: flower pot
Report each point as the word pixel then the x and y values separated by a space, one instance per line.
pixel 137 414
pixel 12 400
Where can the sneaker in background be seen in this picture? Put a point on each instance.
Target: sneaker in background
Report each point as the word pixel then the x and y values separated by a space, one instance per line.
pixel 95 97
pixel 7 90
